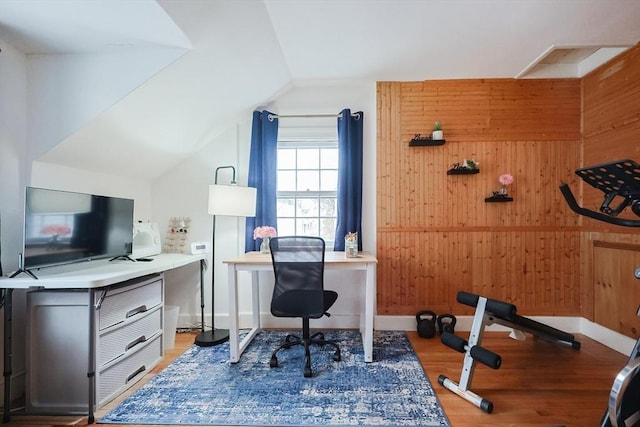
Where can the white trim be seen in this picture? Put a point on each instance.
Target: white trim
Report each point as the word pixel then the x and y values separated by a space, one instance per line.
pixel 572 325
pixel 580 325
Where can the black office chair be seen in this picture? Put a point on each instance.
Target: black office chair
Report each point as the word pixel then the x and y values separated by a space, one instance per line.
pixel 298 264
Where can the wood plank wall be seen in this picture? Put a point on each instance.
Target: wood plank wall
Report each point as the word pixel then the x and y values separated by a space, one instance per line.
pixel 611 117
pixel 435 233
pixel 437 236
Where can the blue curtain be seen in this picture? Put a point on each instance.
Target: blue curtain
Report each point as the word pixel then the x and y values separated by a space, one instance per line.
pixel 262 174
pixel 350 146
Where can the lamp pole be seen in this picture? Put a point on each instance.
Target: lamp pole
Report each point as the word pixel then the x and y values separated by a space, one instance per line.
pixel 214 336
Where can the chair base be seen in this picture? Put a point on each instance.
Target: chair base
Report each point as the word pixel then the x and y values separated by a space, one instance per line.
pixel 306 341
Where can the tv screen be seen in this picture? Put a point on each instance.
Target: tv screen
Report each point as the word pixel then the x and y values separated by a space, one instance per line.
pixel 62 227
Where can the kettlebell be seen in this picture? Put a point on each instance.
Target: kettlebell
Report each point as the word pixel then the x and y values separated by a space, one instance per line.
pixel 446 323
pixel 426 323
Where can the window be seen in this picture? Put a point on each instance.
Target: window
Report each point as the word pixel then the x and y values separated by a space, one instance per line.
pixel 307 182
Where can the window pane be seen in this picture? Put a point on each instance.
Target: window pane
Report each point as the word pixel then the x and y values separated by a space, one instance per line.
pixel 286 158
pixel 329 158
pixel 307 227
pixel 286 227
pixel 308 181
pixel 286 180
pixel 327 229
pixel 307 208
pixel 327 207
pixel 329 180
pixel 308 158
pixel 286 207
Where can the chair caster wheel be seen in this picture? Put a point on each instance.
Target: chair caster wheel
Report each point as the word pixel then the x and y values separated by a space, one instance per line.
pixel 274 362
pixel 336 357
pixel 307 372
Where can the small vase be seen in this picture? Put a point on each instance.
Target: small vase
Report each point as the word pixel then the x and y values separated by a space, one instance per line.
pixel 503 190
pixel 264 246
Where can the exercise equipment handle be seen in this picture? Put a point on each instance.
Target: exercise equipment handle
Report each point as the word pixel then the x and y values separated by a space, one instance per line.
pixel 573 204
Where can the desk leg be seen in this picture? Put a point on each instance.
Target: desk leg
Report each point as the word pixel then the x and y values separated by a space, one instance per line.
pixel 8 306
pixel 255 294
pixel 232 280
pixel 370 294
pixel 91 370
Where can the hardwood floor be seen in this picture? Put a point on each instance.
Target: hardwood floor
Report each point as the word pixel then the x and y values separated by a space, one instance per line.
pixel 538 384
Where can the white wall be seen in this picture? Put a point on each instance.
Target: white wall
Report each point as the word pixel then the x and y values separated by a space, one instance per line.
pixel 67 91
pixel 183 192
pixel 13 172
pixel 48 175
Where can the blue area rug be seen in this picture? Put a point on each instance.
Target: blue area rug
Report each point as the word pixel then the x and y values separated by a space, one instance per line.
pixel 201 387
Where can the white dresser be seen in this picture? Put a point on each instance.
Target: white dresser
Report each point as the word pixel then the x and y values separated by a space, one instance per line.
pixel 128 343
pixel 93 330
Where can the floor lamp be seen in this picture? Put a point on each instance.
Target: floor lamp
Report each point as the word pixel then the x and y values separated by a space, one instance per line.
pixel 226 200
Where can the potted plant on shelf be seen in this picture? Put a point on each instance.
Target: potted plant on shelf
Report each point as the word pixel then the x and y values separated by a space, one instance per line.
pixel 437 131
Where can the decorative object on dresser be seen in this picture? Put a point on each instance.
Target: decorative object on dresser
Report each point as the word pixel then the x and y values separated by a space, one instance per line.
pixel 226 200
pixel 177 235
pixel 146 239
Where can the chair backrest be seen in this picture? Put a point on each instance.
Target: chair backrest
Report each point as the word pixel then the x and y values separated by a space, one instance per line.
pixel 298 265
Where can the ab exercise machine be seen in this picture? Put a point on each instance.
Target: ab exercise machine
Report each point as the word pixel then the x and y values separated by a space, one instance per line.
pixel 490 311
pixel 620 183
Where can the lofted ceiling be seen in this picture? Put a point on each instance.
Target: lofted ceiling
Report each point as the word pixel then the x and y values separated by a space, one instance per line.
pixel 240 54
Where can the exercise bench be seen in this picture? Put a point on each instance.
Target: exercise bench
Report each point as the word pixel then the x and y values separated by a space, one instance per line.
pixel 490 311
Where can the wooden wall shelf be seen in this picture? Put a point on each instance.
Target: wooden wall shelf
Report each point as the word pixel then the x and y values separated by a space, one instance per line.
pixel 498 199
pixel 462 171
pixel 424 141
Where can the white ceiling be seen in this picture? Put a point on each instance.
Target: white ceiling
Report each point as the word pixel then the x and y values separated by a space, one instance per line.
pixel 244 52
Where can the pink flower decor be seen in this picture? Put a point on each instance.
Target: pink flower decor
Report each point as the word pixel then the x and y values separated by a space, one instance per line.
pixel 264 231
pixel 505 179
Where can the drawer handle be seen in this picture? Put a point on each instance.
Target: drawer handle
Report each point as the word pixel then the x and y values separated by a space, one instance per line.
pixel 137 310
pixel 139 370
pixel 135 342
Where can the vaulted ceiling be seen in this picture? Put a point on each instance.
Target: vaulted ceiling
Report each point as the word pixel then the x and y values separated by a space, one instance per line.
pixel 223 58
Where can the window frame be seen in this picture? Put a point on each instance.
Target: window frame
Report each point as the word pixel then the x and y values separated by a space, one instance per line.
pixel 301 138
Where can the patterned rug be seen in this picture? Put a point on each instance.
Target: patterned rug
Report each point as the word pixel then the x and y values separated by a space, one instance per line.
pixel 201 387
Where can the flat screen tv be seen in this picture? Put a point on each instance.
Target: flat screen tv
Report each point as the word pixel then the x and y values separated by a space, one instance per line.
pixel 62 227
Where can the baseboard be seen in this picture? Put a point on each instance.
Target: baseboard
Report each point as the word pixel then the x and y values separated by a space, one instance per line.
pixel 573 325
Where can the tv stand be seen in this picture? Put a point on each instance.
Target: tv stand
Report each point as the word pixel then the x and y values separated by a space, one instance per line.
pixel 20 271
pixel 93 290
pixel 123 257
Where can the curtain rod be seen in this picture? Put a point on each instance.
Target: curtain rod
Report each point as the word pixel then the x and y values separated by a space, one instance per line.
pixel 308 116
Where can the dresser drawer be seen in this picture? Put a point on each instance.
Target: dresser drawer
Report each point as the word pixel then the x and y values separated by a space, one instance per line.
pixel 123 372
pixel 129 335
pixel 133 299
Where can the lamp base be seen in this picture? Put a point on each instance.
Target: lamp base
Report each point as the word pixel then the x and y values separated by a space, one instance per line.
pixel 212 337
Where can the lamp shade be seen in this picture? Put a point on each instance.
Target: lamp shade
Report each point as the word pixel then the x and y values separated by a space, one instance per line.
pixel 231 200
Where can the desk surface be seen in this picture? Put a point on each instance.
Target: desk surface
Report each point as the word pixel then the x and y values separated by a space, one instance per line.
pixel 330 257
pixel 99 273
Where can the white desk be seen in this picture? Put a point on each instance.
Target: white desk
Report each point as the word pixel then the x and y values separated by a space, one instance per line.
pixel 91 276
pixel 97 274
pixel 255 262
